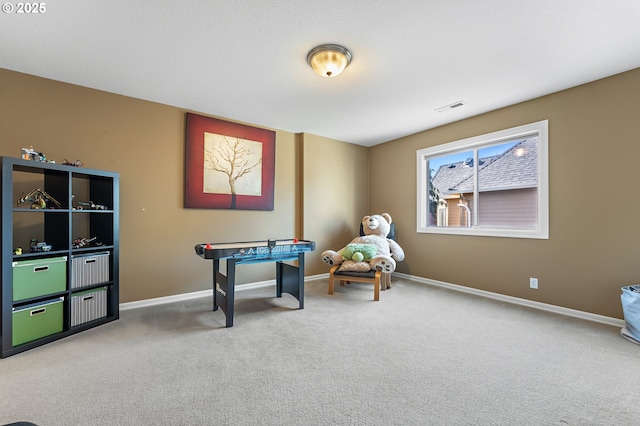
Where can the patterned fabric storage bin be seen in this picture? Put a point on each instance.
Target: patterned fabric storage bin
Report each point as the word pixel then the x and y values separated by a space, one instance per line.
pixel 89 269
pixel 38 320
pixel 39 277
pixel 88 305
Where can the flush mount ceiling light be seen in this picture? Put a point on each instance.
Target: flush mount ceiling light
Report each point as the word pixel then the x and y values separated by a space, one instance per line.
pixel 329 60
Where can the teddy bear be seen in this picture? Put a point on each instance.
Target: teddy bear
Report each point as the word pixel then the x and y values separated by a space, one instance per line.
pixel 359 254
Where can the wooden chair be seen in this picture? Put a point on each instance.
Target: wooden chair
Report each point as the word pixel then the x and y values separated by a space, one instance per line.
pixel 380 280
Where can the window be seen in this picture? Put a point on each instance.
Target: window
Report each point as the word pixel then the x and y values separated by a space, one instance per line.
pixel 493 185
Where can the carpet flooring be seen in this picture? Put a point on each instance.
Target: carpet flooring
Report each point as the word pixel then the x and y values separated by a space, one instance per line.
pixel 422 355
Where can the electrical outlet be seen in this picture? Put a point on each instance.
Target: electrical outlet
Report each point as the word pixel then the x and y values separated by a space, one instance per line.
pixel 533 283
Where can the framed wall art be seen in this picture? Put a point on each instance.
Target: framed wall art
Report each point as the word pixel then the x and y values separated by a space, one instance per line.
pixel 228 165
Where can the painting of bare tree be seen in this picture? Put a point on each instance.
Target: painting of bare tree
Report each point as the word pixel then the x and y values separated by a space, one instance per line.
pixel 232 165
pixel 228 165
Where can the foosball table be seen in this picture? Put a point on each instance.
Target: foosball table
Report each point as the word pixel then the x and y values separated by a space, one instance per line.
pixel 289 278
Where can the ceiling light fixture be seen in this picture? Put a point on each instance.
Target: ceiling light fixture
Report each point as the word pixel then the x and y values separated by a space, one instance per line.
pixel 329 60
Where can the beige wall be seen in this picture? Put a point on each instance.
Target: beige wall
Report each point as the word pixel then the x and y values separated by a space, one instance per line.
pixel 144 142
pixel 593 249
pixel 324 187
pixel 335 195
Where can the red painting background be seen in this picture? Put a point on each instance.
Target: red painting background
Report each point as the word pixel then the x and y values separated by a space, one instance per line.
pixel 195 197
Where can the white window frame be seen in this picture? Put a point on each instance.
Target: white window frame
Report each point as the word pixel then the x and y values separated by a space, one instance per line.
pixel 541 231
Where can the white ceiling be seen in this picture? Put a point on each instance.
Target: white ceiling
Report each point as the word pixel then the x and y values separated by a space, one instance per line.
pixel 246 59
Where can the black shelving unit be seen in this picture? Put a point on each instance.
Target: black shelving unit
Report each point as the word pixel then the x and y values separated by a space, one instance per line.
pixel 74 189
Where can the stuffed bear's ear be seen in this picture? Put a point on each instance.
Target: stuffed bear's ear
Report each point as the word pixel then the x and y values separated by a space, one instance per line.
pixel 387 217
pixel 366 218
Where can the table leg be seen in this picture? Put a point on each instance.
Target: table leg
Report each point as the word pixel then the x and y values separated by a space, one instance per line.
pixel 216 269
pixel 224 289
pixel 279 278
pixel 230 290
pixel 290 279
pixel 301 280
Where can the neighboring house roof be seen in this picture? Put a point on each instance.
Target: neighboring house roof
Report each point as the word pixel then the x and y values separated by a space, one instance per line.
pixel 515 168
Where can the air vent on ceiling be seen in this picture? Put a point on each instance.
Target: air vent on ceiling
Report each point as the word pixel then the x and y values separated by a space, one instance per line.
pixel 450 106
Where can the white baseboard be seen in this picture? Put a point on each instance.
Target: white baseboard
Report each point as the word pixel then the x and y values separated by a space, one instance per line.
pixel 518 301
pixel 483 293
pixel 189 296
pixel 324 276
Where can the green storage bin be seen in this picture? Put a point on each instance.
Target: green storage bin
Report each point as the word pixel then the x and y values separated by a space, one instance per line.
pixel 36 321
pixel 39 277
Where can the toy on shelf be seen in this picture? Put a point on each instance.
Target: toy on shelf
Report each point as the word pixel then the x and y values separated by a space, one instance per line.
pixel 31 154
pixel 90 206
pixel 38 199
pixel 84 242
pixel 76 163
pixel 37 247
